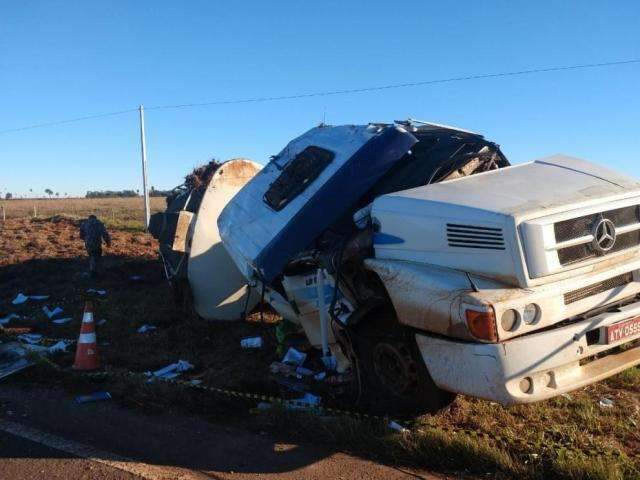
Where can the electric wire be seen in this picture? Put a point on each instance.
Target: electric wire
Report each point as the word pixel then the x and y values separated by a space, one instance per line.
pixel 331 92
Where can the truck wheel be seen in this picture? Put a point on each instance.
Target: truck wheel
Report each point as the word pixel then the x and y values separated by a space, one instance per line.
pixel 394 377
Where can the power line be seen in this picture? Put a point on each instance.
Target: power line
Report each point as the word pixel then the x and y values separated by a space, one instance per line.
pixel 334 92
pixel 70 120
pixel 393 86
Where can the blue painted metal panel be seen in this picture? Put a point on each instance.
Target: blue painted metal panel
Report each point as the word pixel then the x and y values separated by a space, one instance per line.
pixel 334 199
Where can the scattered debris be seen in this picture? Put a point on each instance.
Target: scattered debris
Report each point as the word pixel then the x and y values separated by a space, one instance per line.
pixel 20 299
pixel 101 322
pixel 30 338
pixel 147 328
pixel 136 278
pixel 38 297
pixel 97 292
pixel 606 403
pixel 307 400
pixel 93 397
pixel 171 371
pixel 251 342
pixel 51 313
pixel 195 382
pixel 60 346
pixel 13 358
pixel 8 318
pixel 567 396
pixel 294 357
pixel 62 321
pixel 397 427
pixel 320 376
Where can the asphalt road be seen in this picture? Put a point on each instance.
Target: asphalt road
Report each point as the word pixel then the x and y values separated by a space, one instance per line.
pixel 44 434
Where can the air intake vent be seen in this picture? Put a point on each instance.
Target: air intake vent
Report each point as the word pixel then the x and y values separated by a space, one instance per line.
pixel 596 288
pixel 474 236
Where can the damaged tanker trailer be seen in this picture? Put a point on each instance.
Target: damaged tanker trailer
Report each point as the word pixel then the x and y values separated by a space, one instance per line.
pixel 415 255
pixel 190 247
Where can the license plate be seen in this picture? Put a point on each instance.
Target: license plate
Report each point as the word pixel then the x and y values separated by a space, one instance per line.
pixel 620 331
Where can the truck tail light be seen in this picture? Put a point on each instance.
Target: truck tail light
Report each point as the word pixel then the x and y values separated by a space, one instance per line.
pixel 482 324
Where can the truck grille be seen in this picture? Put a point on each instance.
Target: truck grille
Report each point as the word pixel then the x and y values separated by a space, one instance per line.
pixel 582 226
pixel 596 288
pixel 474 236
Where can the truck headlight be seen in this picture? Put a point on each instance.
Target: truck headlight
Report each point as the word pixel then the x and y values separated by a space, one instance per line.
pixel 482 324
pixel 531 313
pixel 509 320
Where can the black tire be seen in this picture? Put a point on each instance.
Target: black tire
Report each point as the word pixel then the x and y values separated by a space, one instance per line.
pixel 393 375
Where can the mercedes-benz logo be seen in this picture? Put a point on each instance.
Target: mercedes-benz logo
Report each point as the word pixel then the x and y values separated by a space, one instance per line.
pixel 604 235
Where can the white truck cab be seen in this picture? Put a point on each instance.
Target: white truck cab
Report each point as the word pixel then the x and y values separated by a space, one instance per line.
pixel 523 280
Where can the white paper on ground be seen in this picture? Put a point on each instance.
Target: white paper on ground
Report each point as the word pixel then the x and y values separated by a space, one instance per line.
pixel 61 346
pixel 397 427
pixel 20 299
pixel 8 318
pixel 172 371
pixel 294 357
pixel 98 292
pixel 32 338
pixel 62 321
pixel 147 328
pixel 51 313
pixel 251 342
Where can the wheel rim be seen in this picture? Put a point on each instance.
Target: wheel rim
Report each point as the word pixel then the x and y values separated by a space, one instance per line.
pixel 395 368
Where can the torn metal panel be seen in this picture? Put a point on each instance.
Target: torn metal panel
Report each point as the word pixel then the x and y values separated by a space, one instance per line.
pixel 182 238
pixel 263 239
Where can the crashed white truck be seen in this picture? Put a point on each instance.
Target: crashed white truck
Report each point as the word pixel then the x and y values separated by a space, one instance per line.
pixel 416 256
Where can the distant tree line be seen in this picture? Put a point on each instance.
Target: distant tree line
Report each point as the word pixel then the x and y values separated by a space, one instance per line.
pixel 111 194
pixel 125 193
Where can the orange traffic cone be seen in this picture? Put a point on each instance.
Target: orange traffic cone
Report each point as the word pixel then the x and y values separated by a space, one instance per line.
pixel 87 351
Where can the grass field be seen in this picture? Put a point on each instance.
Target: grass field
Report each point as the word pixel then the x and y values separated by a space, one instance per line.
pixel 569 437
pixel 115 212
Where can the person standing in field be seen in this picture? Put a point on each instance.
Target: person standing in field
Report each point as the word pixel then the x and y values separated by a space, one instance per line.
pixel 93 232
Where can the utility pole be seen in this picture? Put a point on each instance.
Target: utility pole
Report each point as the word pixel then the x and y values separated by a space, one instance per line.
pixel 143 151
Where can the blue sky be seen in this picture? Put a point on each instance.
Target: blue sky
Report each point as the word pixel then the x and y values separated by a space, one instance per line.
pixel 64 59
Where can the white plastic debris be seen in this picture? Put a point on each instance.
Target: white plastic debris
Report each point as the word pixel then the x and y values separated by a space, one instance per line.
pixel 20 299
pixel 251 342
pixel 308 400
pixel 38 297
pixel 8 318
pixel 147 328
pixel 97 292
pixel 397 427
pixel 606 403
pixel 51 313
pixel 31 338
pixel 294 357
pixel 303 372
pixel 62 321
pixel 61 346
pixel 171 371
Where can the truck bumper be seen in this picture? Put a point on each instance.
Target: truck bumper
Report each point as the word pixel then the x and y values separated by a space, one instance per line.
pixel 533 367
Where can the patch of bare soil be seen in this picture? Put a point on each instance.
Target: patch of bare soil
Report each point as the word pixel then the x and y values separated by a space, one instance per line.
pixel 48 258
